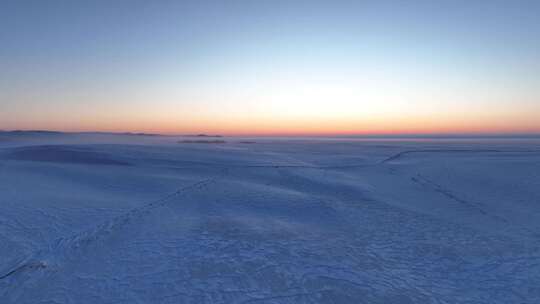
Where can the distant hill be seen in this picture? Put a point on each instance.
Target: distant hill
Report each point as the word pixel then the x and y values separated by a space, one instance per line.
pixel 122 133
pixel 203 135
pixel 30 132
pixel 47 132
pixel 202 141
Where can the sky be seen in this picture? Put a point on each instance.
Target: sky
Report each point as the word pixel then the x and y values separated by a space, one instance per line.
pixel 271 67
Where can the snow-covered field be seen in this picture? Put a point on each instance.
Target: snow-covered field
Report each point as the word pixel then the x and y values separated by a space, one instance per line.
pixel 103 218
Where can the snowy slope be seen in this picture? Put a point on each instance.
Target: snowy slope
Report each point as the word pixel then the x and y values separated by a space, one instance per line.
pixel 135 219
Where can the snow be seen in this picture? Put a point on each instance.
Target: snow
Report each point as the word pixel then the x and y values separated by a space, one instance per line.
pixel 102 218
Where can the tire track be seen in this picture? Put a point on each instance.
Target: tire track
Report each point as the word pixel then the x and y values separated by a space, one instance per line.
pixel 403 153
pixel 66 246
pixel 469 205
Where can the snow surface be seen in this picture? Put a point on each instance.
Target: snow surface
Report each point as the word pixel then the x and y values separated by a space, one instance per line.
pixel 98 218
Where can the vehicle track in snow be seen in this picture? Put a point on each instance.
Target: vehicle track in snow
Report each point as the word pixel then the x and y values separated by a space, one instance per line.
pixel 66 246
pixel 349 166
pixel 403 153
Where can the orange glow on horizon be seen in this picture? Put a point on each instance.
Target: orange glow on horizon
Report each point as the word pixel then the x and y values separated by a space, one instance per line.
pixel 302 127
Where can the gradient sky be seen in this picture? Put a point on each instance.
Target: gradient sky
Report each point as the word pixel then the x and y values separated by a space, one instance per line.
pixel 271 67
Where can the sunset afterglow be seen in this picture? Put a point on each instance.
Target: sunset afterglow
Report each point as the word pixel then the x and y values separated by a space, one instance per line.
pixel 280 68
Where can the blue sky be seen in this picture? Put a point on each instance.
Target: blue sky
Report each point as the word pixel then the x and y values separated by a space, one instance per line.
pixel 271 66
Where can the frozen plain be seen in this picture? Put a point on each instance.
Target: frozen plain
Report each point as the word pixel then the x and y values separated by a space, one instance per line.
pixel 98 218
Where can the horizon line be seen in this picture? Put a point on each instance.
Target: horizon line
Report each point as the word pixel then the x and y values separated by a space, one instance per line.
pixel 334 135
